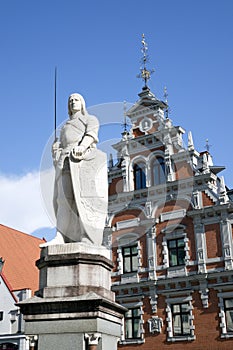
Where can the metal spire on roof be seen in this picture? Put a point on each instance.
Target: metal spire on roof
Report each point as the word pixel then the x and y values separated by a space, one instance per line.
pixel 165 95
pixel 207 145
pixel 125 124
pixel 144 74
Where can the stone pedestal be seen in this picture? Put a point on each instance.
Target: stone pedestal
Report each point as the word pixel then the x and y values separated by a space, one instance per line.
pixel 74 307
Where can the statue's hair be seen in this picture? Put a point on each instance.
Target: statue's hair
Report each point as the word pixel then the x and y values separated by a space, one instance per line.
pixel 83 108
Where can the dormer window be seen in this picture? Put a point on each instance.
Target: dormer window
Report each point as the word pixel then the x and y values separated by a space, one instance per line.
pixel 139 176
pixel 158 171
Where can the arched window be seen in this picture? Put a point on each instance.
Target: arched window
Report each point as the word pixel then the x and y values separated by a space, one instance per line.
pixel 139 171
pixel 158 171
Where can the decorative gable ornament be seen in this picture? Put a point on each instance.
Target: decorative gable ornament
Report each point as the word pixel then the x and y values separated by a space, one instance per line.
pixel 145 124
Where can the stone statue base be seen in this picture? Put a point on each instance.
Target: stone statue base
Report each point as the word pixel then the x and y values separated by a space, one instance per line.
pixel 72 269
pixel 74 307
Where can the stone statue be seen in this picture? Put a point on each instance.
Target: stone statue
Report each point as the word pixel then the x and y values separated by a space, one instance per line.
pixel 80 189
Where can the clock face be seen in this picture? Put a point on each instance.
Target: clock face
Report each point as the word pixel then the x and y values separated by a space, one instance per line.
pixel 145 124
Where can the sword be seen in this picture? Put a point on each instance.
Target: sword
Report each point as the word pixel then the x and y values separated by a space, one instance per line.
pixel 55 105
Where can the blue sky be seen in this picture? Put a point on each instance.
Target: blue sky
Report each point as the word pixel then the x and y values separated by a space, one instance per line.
pixel 96 48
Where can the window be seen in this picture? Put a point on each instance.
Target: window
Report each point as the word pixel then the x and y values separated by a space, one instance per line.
pixel 226 314
pixel 180 318
pixel 132 324
pixel 228 305
pixel 130 259
pixel 176 252
pixel 158 168
pixel 1 315
pixel 180 325
pixel 139 176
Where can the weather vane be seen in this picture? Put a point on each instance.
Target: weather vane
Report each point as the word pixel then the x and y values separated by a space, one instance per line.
pixel 145 74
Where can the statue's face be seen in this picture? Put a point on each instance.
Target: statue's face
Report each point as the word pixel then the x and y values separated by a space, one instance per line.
pixel 75 104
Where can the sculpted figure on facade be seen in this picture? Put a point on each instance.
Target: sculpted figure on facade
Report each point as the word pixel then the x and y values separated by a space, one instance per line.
pixel 80 189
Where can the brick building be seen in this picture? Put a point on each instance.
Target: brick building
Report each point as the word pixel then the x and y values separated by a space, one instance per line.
pixel 170 228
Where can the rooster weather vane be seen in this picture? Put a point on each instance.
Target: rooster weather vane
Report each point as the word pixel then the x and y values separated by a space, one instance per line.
pixel 145 73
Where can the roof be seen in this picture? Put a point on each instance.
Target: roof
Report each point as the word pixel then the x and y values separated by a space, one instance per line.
pixel 4 279
pixel 148 100
pixel 20 252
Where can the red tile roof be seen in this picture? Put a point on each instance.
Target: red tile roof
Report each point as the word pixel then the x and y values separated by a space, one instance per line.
pixel 20 252
pixel 7 283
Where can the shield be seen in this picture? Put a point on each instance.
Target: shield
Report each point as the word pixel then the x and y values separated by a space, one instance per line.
pixel 90 186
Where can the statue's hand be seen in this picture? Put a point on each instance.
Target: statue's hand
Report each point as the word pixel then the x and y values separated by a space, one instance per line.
pixel 55 146
pixel 78 152
pixel 56 150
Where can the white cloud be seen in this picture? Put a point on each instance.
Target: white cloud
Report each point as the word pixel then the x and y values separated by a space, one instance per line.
pixel 21 204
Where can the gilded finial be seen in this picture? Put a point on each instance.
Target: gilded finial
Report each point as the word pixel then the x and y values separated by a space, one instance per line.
pixel 144 74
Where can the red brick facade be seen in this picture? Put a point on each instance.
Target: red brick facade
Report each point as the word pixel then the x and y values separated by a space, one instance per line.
pixel 170 227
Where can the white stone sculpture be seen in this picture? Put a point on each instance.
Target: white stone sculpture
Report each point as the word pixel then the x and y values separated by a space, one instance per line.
pixel 80 189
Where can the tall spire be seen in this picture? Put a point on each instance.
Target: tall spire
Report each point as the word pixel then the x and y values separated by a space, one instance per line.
pixel 144 74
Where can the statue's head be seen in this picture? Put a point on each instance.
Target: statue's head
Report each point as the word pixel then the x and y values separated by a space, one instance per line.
pixel 73 102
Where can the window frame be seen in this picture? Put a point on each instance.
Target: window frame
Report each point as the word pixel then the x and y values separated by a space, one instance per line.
pixel 228 309
pixel 131 257
pixel 135 325
pixel 139 172
pixel 126 240
pixel 177 249
pixel 173 232
pixel 132 304
pixel 180 314
pixel 223 296
pixel 158 167
pixel 171 301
